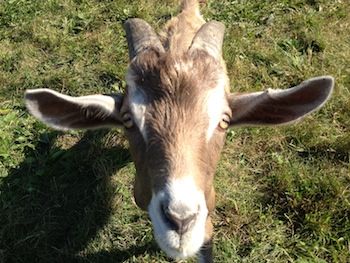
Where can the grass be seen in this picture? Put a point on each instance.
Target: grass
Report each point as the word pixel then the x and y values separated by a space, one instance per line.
pixel 283 193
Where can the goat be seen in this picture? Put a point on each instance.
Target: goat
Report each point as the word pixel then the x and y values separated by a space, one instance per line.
pixel 175 111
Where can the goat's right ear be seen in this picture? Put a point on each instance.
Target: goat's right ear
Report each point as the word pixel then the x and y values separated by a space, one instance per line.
pixel 273 107
pixel 65 112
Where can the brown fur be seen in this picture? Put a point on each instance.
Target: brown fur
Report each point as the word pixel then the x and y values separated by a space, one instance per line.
pixel 175 95
pixel 176 83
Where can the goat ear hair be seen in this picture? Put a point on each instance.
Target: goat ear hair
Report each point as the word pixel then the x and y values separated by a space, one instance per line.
pixel 140 36
pixel 210 38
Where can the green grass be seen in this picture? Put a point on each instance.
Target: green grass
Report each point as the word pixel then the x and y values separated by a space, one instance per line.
pixel 283 193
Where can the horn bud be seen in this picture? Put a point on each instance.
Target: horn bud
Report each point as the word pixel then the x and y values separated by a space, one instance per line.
pixel 210 38
pixel 140 36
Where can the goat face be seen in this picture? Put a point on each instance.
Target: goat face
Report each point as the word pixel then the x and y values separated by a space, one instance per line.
pixel 175 112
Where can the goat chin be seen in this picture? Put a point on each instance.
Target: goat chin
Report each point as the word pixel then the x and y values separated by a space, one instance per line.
pixel 190 243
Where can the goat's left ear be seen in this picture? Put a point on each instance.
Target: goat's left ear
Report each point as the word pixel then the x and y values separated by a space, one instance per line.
pixel 273 107
pixel 65 112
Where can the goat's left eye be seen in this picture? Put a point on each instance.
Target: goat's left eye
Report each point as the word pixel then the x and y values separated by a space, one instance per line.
pixel 127 120
pixel 225 122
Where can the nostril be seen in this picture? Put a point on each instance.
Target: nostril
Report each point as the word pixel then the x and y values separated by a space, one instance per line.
pixel 180 224
pixel 173 221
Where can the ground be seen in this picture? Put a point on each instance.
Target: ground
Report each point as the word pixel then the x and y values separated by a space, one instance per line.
pixel 283 193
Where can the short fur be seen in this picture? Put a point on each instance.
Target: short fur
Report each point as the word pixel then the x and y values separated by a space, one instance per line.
pixel 175 93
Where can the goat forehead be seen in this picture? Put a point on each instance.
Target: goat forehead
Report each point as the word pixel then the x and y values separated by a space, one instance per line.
pixel 175 92
pixel 153 72
pixel 177 80
pixel 177 121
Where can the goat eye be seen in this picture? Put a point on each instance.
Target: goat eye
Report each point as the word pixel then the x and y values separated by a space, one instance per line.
pixel 127 120
pixel 225 122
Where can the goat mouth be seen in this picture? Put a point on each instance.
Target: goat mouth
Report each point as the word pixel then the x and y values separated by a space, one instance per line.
pixel 179 247
pixel 178 243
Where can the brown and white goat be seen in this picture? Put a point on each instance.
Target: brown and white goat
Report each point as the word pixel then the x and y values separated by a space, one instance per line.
pixel 175 111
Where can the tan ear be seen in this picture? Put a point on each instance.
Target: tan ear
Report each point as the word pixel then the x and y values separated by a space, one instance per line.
pixel 65 112
pixel 280 106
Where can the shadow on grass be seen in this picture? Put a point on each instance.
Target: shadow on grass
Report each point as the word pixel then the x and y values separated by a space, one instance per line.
pixel 340 155
pixel 120 255
pixel 54 203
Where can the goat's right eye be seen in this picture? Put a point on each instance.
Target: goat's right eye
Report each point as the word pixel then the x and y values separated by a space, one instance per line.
pixel 127 120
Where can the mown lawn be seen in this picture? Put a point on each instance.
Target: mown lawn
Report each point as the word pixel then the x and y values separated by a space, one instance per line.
pixel 283 193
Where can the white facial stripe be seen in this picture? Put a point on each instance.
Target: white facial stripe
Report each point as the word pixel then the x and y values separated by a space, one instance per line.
pixel 216 105
pixel 181 192
pixel 184 191
pixel 137 104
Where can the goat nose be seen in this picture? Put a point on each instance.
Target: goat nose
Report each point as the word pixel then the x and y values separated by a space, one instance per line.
pixel 178 223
